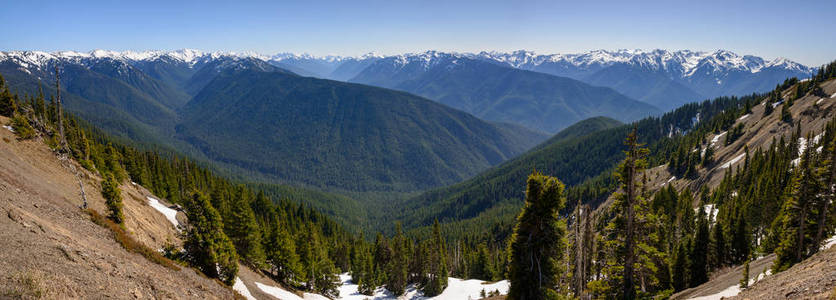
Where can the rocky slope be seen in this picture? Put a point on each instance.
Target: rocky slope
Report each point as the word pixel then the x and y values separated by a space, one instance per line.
pixel 52 249
pixel 813 278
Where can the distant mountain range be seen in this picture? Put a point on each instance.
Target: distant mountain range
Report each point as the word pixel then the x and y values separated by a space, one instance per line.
pixel 151 97
pixel 536 100
pixel 255 119
pixel 661 77
pixel 665 79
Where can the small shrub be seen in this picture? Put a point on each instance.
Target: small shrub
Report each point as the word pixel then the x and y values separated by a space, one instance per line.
pixel 24 285
pixel 113 199
pixel 130 243
pixel 22 127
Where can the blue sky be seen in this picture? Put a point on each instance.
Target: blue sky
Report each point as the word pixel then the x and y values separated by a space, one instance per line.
pixel 804 31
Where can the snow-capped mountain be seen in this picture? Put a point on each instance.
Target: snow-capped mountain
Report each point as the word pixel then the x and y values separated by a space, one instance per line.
pixel 682 63
pixel 663 78
pixel 498 93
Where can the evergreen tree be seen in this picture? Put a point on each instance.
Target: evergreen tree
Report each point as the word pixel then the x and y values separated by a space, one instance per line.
pixel 483 267
pixel 538 241
pixel 699 252
pixel 362 272
pixel 396 270
pixel 679 270
pixel 744 282
pixel 786 116
pixel 207 247
pixel 8 107
pixel 318 268
pixel 718 247
pixel 243 230
pixel 708 157
pixel 623 229
pixel 825 221
pixel 281 254
pixel 437 281
pixel 796 236
pixel 113 199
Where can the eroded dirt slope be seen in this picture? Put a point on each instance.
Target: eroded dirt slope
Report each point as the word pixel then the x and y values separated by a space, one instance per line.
pixel 50 248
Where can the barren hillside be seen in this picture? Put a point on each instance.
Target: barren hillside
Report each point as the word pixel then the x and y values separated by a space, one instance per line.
pixel 50 248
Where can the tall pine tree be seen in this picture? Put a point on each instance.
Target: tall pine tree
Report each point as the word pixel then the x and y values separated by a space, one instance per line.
pixel 538 241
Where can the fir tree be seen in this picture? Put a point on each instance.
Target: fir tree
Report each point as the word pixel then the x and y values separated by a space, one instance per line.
pixel 8 107
pixel 796 236
pixel 207 247
pixel 281 254
pixel 744 282
pixel 396 269
pixel 483 267
pixel 113 199
pixel 786 116
pixel 699 251
pixel 437 281
pixel 538 241
pixel 679 270
pixel 244 231
pixel 718 247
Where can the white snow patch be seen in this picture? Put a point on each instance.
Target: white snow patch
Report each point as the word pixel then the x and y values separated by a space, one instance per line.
pixel 732 290
pixel 9 128
pixel 710 211
pixel 829 243
pixel 242 289
pixel 277 292
pixel 349 290
pixel 833 96
pixel 819 149
pixel 744 117
pixel 470 289
pixel 802 145
pixel 669 181
pixel 456 289
pixel 732 161
pixel 169 213
pixel 774 105
pixel 819 101
pixel 717 138
pixel 461 289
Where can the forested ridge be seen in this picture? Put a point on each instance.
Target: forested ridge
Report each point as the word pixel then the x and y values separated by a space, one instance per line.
pixel 640 243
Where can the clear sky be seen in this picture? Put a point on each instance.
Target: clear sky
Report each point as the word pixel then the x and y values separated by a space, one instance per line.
pixel 804 31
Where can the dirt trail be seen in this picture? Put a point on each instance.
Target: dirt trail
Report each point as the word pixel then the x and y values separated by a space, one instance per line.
pixel 50 248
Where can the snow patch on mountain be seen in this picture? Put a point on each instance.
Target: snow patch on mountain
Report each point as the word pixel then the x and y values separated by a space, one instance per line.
pixel 683 63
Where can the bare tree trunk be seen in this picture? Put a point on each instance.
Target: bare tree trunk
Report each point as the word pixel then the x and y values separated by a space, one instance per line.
pixel 60 109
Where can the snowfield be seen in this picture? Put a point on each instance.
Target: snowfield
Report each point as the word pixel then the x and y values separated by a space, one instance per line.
pixel 744 117
pixel 470 289
pixel 829 243
pixel 457 289
pixel 277 292
pixel 9 128
pixel 732 290
pixel 242 289
pixel 169 213
pixel 732 161
pixel 716 138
